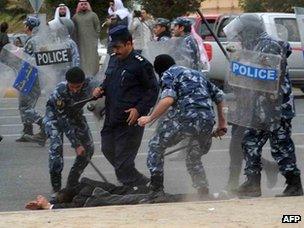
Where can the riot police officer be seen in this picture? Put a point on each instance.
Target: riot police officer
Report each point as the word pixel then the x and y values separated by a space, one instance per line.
pixel 189 95
pixel 28 102
pixel 249 29
pixel 188 47
pixel 131 90
pixel 61 119
pixel 161 29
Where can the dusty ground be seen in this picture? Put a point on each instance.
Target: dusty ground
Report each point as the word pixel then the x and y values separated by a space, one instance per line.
pixel 264 212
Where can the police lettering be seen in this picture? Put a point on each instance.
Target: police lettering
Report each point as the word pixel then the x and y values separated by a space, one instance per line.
pixel 53 57
pixel 239 69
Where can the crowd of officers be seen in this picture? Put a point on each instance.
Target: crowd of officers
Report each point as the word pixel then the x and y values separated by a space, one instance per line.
pixel 185 108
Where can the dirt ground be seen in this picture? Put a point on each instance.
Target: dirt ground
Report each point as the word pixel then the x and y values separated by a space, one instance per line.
pixel 262 212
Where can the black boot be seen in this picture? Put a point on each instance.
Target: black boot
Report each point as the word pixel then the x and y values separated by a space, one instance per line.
pixel 40 137
pixel 27 130
pixel 251 187
pixel 294 185
pixel 156 194
pixel 1 138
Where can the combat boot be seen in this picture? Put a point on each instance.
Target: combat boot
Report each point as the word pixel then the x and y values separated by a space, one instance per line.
pixel 40 137
pixel 156 194
pixel 294 185
pixel 1 138
pixel 251 187
pixel 27 130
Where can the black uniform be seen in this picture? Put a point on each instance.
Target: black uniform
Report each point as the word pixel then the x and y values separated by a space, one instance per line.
pixel 129 83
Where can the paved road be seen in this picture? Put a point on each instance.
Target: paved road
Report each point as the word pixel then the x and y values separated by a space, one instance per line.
pixel 24 166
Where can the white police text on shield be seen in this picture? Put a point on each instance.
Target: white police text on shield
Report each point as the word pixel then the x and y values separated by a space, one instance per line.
pixel 53 57
pixel 239 69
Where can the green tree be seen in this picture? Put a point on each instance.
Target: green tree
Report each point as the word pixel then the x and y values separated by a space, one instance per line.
pixel 16 6
pixel 170 8
pixel 270 5
pixel 251 5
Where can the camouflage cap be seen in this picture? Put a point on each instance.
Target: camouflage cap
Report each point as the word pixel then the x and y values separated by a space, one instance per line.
pixel 162 21
pixel 182 21
pixel 32 22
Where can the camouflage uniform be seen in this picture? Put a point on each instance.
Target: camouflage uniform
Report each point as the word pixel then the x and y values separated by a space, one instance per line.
pixel 165 35
pixel 59 119
pixel 28 102
pixel 282 146
pixel 191 118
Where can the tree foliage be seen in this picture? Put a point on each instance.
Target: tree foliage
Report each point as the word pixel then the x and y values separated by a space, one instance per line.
pixel 15 6
pixel 270 5
pixel 170 8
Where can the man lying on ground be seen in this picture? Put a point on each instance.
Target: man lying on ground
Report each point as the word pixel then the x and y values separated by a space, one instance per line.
pixel 90 193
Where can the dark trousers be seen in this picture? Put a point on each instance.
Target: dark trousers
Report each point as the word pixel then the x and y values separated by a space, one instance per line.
pixel 120 146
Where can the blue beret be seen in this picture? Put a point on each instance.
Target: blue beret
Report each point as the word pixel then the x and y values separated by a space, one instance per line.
pixel 116 33
pixel 182 21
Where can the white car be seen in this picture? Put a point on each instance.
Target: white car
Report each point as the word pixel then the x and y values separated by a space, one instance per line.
pixel 102 52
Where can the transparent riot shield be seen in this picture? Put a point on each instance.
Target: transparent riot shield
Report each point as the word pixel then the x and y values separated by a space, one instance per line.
pixel 177 49
pixel 53 53
pixel 7 77
pixel 23 71
pixel 255 74
pixel 299 11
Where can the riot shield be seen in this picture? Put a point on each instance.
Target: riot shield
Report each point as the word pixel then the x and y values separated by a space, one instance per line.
pixel 53 55
pixel 22 71
pixel 299 11
pixel 254 74
pixel 177 49
pixel 7 77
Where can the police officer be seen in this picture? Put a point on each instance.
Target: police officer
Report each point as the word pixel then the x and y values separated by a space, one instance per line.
pixel 28 102
pixel 279 133
pixel 61 119
pixel 188 46
pixel 131 90
pixel 64 31
pixel 161 29
pixel 190 118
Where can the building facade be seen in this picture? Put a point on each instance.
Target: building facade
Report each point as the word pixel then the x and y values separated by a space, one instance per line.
pixel 220 6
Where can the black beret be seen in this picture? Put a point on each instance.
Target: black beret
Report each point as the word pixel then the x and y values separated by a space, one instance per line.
pixel 163 63
pixel 75 75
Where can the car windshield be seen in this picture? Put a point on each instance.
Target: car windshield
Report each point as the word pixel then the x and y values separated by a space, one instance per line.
pixel 290 24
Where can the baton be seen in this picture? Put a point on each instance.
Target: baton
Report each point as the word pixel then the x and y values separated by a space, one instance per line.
pixel 99 173
pixel 213 34
pixel 81 103
pixel 178 149
pixel 213 134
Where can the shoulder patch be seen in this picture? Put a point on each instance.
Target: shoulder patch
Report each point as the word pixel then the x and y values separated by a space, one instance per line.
pixel 60 104
pixel 139 57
